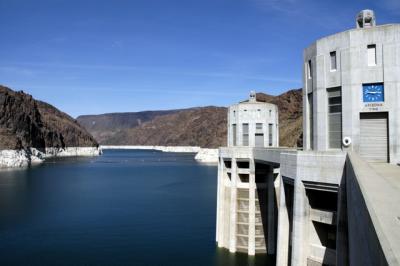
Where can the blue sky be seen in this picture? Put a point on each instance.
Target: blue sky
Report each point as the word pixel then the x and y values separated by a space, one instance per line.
pixel 91 57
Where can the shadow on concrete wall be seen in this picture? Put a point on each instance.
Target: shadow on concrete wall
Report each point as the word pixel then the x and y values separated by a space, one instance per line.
pixel 289 196
pixel 263 171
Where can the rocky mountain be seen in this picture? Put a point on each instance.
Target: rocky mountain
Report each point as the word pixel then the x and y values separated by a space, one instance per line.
pixel 26 122
pixel 205 126
pixel 189 127
pixel 105 126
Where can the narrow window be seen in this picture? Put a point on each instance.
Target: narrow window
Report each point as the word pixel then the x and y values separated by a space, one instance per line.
pixel 245 128
pixel 309 69
pixel 372 55
pixel 234 135
pixel 270 135
pixel 259 140
pixel 333 61
pixel 335 118
pixel 270 113
pixel 259 136
pixel 311 120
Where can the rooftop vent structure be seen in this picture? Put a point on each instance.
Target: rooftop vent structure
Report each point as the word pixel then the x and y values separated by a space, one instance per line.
pixel 252 97
pixel 366 19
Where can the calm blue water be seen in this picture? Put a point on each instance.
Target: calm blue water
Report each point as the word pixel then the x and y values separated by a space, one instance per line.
pixel 123 208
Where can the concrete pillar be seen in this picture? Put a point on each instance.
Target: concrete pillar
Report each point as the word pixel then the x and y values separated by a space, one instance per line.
pixel 277 132
pixel 239 135
pixel 301 219
pixel 307 88
pixel 265 132
pixel 320 120
pixel 283 228
pixel 396 128
pixel 252 209
pixel 218 200
pixel 252 131
pixel 271 211
pixel 233 213
pixel 220 204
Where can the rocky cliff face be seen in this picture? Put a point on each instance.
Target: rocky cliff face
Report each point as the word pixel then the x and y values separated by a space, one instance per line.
pixel 26 122
pixel 290 105
pixel 205 127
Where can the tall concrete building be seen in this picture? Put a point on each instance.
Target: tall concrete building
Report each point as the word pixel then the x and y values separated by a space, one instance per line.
pixel 253 124
pixel 337 201
pixel 356 73
pixel 241 191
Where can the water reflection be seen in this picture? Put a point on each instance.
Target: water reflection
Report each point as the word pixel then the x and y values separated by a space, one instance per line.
pixel 14 193
pixel 123 208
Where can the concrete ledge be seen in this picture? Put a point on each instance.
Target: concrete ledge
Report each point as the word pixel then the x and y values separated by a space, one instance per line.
pixel 373 215
pixel 271 155
pixel 313 166
pixel 322 216
pixel 236 152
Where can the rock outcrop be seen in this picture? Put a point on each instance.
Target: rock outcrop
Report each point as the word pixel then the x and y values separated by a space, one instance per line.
pixel 30 128
pixel 290 105
pixel 19 158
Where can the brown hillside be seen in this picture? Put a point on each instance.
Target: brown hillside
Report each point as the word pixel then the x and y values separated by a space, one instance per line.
pixel 25 122
pixel 205 127
pixel 105 126
pixel 290 116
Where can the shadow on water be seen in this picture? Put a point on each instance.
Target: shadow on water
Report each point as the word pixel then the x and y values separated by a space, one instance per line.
pixel 224 257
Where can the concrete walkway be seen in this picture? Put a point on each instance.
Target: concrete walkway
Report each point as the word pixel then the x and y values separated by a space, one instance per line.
pixel 380 184
pixel 390 172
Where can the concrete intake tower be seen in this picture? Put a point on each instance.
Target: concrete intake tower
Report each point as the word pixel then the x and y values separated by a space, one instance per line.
pixel 336 201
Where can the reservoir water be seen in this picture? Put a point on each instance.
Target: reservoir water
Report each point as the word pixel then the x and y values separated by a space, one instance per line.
pixel 126 207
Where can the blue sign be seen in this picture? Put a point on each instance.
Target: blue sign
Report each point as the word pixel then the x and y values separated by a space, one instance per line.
pixel 373 93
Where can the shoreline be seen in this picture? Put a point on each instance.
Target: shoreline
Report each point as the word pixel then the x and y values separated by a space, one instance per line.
pixel 12 159
pixel 203 155
pixel 186 149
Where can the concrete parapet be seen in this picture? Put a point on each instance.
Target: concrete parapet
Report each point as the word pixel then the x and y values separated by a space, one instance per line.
pixel 373 206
